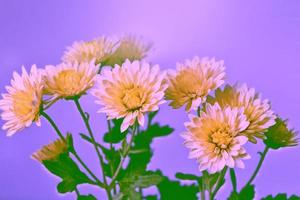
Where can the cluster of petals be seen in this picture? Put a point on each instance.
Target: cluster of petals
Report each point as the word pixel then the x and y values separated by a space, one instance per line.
pixel 257 110
pixel 129 91
pixel 193 81
pixel 215 138
pixel 21 104
pixel 69 79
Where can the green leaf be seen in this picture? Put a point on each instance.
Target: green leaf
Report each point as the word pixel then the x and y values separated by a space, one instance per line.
pixel 151 116
pixel 113 158
pixel 135 175
pixel 184 176
pixel 115 135
pixel 65 168
pixel 281 196
pixel 86 197
pixel 151 197
pixel 247 193
pixel 128 190
pixel 70 145
pixel 142 142
pixel 174 190
pixel 145 181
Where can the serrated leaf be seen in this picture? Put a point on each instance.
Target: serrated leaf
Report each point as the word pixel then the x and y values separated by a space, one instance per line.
pixel 247 193
pixel 115 135
pixel 145 181
pixel 151 116
pixel 151 197
pixel 70 145
pixel 86 197
pixel 281 196
pixel 184 176
pixel 118 196
pixel 137 151
pixel 128 190
pixel 65 168
pixel 138 162
pixel 170 189
pixel 113 158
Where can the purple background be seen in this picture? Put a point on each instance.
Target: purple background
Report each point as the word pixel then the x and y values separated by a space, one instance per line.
pixel 259 41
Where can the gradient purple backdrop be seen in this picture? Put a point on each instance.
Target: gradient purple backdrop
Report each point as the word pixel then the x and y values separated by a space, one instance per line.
pixel 259 41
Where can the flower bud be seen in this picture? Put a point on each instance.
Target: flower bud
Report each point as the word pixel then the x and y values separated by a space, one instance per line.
pixel 278 135
pixel 50 151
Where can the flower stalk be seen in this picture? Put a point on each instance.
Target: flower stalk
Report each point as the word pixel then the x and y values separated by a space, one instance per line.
pixel 86 122
pixel 262 158
pixel 74 152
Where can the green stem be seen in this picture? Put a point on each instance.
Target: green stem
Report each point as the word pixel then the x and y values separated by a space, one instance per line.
pixel 219 183
pixel 111 147
pixel 263 156
pixel 77 192
pixel 86 122
pixel 98 182
pixel 53 124
pixel 50 120
pixel 203 186
pixel 202 191
pixel 126 151
pixel 233 179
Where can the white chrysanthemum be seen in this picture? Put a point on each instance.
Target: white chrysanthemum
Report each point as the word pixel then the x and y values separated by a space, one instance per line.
pixel 129 47
pixel 215 139
pixel 193 81
pixel 130 91
pixel 69 79
pixel 20 105
pixel 257 110
pixel 98 50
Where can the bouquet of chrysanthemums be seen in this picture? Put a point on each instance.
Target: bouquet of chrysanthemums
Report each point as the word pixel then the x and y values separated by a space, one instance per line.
pixel 130 90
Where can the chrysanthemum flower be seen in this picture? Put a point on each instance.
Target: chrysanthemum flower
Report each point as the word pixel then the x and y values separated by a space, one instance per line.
pixel 257 111
pixel 97 50
pixel 129 47
pixel 69 79
pixel 20 105
pixel 50 151
pixel 193 81
pixel 215 139
pixel 130 90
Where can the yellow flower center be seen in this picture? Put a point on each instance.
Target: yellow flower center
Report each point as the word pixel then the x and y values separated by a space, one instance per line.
pixel 189 83
pixel 25 103
pixel 132 98
pixel 68 81
pixel 222 137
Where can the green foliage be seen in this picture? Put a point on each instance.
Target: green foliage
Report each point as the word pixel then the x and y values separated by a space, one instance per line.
pixel 281 196
pixel 70 145
pixel 247 193
pixel 145 181
pixel 190 177
pixel 151 197
pixel 278 135
pixel 65 168
pixel 86 197
pixel 135 175
pixel 169 189
pixel 142 142
pixel 113 157
pixel 115 136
